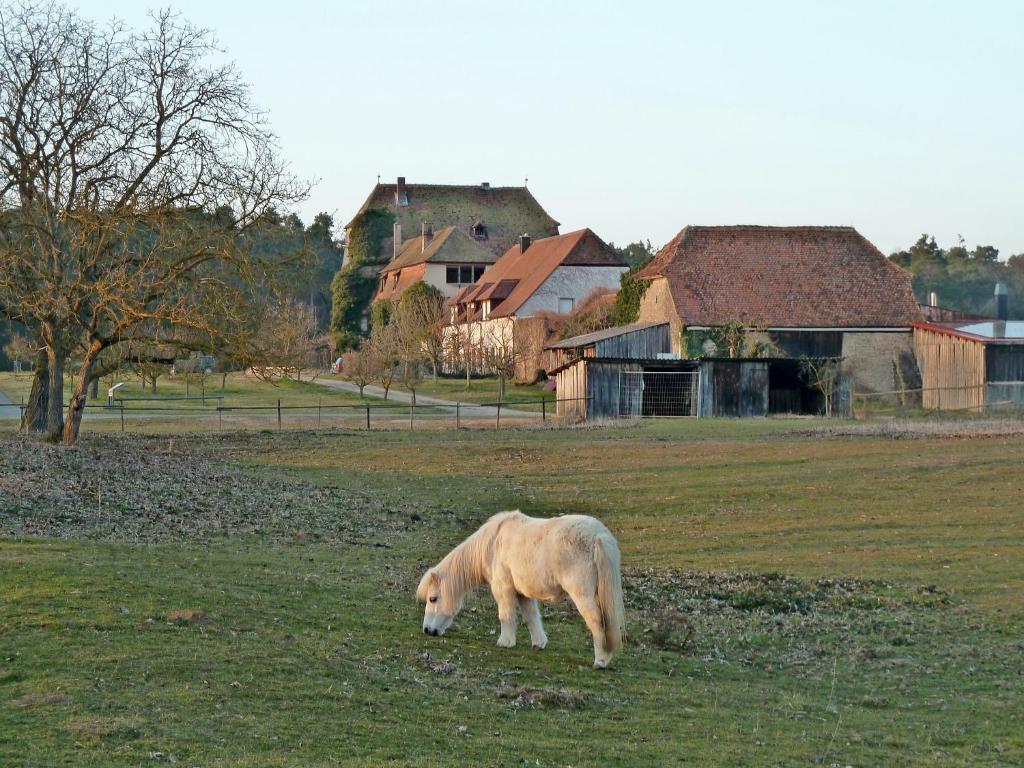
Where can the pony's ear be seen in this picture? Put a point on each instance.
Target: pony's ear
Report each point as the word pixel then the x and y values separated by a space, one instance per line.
pixel 430 578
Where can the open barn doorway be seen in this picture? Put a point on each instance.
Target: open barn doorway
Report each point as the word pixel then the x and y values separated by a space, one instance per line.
pixel 790 392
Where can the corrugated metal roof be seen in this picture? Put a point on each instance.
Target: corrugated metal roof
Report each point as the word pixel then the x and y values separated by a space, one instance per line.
pixel 608 333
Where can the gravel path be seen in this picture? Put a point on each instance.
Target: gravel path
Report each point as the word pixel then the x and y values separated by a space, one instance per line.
pixel 397 396
pixel 8 410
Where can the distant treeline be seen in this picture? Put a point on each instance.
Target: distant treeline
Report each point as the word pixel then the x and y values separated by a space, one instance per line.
pixel 964 279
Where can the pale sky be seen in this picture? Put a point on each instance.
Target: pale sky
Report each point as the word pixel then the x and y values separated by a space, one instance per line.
pixel 637 118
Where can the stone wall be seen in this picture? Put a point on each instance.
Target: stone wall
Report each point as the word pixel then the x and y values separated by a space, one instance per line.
pixel 657 307
pixel 871 360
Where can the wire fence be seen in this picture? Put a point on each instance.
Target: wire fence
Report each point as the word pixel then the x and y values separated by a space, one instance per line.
pixel 1002 396
pixel 159 414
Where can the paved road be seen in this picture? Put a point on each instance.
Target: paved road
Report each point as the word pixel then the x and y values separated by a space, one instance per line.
pixel 397 396
pixel 7 409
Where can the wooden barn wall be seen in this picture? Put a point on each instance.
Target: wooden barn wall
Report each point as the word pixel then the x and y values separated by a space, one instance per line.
pixel 571 384
pixel 952 370
pixel 1004 362
pixel 1004 366
pixel 644 344
pixel 603 388
pixel 798 344
pixel 733 388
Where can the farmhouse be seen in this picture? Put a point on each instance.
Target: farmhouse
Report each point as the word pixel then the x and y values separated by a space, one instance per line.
pixel 817 292
pixel 502 313
pixel 448 260
pixel 972 365
pixel 547 275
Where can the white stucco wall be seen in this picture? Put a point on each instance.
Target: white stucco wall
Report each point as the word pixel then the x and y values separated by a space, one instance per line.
pixel 570 283
pixel 437 276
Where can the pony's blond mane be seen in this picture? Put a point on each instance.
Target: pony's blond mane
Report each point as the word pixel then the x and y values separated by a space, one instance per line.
pixel 465 567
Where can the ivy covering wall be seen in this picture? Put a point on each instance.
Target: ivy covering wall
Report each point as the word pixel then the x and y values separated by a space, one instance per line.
pixel 354 284
pixel 631 291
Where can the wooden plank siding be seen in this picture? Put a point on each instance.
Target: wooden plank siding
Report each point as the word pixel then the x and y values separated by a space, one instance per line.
pixel 643 344
pixel 952 370
pixel 570 385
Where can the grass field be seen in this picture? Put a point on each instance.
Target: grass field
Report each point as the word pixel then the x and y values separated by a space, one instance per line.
pixel 798 593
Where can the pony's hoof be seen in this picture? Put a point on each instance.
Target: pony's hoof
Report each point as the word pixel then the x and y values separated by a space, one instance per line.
pixel 539 647
pixel 601 664
pixel 503 643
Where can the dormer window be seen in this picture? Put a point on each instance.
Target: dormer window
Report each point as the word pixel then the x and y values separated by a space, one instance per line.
pixel 479 231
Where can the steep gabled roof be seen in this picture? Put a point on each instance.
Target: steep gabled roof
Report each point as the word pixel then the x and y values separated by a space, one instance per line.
pixel 408 277
pixel 506 212
pixel 783 277
pixel 448 246
pixel 520 273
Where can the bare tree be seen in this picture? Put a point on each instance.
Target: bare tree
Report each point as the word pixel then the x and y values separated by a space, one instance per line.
pixel 501 356
pixel 382 347
pixel 133 166
pixel 20 350
pixel 823 374
pixel 358 367
pixel 287 340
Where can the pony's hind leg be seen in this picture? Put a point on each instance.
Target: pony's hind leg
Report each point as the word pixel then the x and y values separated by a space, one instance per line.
pixel 531 615
pixel 591 613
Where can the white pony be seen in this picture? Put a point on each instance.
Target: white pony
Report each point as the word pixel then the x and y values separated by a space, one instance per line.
pixel 526 559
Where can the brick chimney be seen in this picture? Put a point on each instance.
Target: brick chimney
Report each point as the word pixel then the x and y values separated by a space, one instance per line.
pixel 524 243
pixel 401 193
pixel 426 234
pixel 397 241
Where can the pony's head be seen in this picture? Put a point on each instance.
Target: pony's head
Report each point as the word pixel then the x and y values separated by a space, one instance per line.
pixel 443 601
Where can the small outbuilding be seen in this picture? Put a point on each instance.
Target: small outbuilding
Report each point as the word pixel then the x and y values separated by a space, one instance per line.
pixel 971 366
pixel 630 372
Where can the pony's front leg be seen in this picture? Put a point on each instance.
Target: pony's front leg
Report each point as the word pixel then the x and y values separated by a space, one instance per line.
pixel 506 598
pixel 531 615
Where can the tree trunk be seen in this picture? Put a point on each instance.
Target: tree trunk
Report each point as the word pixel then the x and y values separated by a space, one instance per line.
pixel 37 409
pixel 94 389
pixel 55 402
pixel 76 405
pixel 501 387
pixel 223 380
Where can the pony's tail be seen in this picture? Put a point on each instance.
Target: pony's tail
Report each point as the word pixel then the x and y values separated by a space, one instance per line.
pixel 609 591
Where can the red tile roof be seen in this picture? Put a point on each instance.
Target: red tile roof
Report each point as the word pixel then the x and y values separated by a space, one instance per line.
pixel 406 279
pixel 783 277
pixel 517 275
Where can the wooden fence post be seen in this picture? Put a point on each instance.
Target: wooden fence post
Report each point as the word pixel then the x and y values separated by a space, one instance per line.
pixel 279 413
pixel 457 419
pixel 122 415
pixel 367 417
pixel 497 423
pixel 543 409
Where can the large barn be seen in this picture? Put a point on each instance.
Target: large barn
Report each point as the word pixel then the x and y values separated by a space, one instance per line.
pixel 805 291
